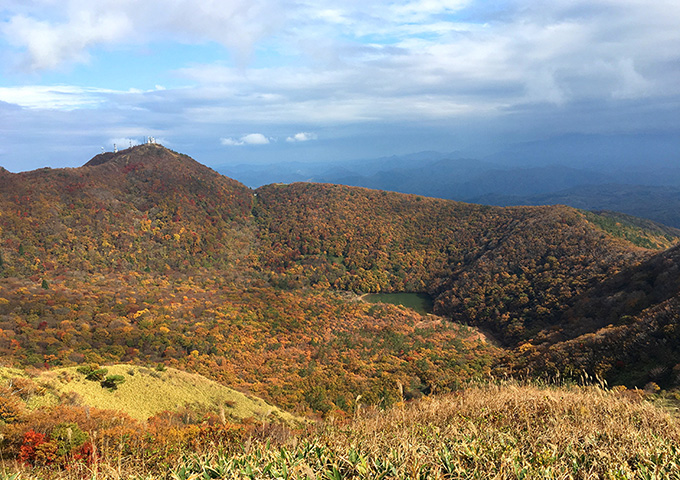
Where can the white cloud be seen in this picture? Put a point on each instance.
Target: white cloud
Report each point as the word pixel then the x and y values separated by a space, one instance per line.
pixel 523 53
pixel 632 84
pixel 517 52
pixel 55 33
pixel 49 45
pixel 250 139
pixel 302 137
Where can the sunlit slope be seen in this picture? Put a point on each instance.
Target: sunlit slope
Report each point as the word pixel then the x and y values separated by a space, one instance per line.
pixel 486 432
pixel 145 392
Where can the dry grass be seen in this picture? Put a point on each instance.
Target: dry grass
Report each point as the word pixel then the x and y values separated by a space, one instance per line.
pixel 485 432
pixel 522 432
pixel 147 392
pixel 7 373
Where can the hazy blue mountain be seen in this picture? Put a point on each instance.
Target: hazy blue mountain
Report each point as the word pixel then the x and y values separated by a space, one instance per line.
pixel 640 153
pixel 658 203
pixel 584 173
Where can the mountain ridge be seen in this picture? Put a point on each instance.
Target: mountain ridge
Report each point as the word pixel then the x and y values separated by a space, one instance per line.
pixel 504 179
pixel 183 256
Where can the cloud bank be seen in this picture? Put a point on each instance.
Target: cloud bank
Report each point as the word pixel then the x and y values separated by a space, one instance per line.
pixel 463 70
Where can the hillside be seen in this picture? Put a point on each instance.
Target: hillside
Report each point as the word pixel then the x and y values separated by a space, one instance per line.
pixel 143 393
pixel 625 329
pixel 142 209
pixel 508 179
pixel 61 421
pixel 146 256
pixel 308 351
pixel 503 431
pixel 638 231
pixel 507 269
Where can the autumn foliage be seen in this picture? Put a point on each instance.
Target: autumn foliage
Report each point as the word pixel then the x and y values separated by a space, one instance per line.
pixel 146 256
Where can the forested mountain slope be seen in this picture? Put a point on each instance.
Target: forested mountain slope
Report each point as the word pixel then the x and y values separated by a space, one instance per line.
pixel 508 269
pixel 147 256
pixel 145 208
pixel 626 329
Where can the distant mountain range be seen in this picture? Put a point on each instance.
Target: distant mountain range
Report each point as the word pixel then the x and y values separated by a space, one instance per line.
pixel 650 191
pixel 658 203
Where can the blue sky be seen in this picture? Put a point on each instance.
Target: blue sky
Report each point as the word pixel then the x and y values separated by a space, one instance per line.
pixel 235 81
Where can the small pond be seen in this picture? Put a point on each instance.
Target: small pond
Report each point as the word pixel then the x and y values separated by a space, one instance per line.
pixel 420 302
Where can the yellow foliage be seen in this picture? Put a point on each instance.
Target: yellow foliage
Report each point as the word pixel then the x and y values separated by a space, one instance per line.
pixel 144 225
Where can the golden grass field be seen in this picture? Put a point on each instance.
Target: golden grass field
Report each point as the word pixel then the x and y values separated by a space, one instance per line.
pixel 147 392
pixel 509 431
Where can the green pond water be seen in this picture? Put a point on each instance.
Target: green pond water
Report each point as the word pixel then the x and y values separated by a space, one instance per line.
pixel 420 302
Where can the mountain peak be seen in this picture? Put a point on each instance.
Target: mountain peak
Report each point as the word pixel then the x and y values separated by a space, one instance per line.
pixel 154 167
pixel 145 150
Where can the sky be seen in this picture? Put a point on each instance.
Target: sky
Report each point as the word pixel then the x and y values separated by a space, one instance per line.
pixel 261 81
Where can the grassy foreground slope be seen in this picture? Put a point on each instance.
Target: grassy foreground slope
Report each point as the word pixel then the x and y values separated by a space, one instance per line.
pixel 500 432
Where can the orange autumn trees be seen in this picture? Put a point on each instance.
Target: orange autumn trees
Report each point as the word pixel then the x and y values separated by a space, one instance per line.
pixel 169 213
pixel 512 270
pixel 148 256
pixel 280 345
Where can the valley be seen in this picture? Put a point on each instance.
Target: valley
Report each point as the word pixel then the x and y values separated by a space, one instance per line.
pixel 146 259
